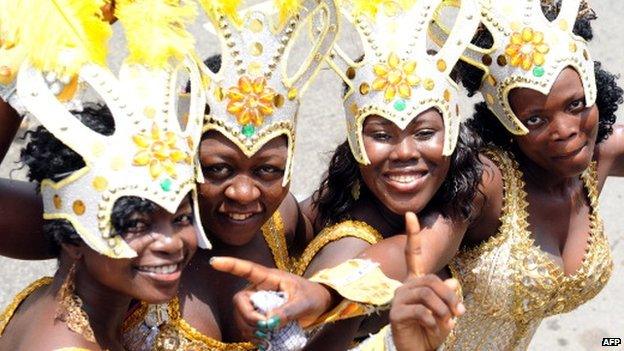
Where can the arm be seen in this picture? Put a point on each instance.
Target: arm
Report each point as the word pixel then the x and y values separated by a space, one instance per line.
pixel 21 210
pixel 610 154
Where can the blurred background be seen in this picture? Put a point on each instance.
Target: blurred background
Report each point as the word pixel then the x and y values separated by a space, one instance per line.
pixel 321 127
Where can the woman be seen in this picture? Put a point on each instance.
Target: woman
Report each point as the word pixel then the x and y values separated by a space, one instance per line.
pixel 406 149
pixel 246 157
pixel 85 303
pixel 535 246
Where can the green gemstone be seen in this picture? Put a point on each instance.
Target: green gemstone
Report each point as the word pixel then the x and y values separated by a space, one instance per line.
pixel 166 184
pixel 400 105
pixel 248 130
pixel 538 71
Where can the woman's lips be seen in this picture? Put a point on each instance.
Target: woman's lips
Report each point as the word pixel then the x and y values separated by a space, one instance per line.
pixel 405 182
pixel 571 154
pixel 161 273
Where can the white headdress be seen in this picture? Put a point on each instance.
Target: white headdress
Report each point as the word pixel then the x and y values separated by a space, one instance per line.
pixel 397 78
pixel 151 153
pixel 253 99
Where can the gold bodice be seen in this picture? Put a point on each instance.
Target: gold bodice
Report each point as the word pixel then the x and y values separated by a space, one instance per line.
pixel 345 229
pixel 170 332
pixel 510 284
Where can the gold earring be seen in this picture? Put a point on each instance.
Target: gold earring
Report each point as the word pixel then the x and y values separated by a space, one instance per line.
pixel 70 309
pixel 355 190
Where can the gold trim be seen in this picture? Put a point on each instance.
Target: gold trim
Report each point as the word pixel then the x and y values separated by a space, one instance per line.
pixel 9 311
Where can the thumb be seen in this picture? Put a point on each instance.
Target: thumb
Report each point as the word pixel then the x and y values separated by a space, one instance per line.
pixel 413 247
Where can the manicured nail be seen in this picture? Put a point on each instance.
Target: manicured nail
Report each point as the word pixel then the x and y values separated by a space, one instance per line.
pixel 260 335
pixel 261 348
pixel 461 308
pixel 262 325
pixel 273 322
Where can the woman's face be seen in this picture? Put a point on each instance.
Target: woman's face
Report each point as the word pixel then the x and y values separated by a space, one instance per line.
pixel 240 193
pixel 164 244
pixel 407 167
pixel 562 130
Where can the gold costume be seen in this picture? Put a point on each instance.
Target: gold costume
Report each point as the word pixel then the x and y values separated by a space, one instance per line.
pixel 176 334
pixel 510 284
pixel 345 229
pixel 9 311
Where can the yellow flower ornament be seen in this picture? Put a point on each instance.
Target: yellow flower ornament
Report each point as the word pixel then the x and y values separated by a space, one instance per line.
pixel 158 151
pixel 251 102
pixel 395 77
pixel 527 49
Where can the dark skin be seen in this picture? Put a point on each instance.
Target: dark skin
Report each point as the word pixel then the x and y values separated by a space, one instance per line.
pixel 406 170
pixel 235 184
pixel 422 308
pixel 558 148
pixel 106 285
pixel 239 195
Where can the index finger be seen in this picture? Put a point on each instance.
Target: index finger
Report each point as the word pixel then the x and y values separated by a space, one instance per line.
pixel 413 247
pixel 252 272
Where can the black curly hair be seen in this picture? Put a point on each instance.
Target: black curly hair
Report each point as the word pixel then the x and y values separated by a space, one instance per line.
pixel 48 158
pixel 334 201
pixel 485 124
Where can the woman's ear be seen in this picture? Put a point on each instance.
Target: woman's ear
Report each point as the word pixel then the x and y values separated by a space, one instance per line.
pixel 75 252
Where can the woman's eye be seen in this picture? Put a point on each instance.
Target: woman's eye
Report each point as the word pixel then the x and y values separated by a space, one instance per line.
pixel 137 226
pixel 534 121
pixel 269 170
pixel 218 171
pixel 424 133
pixel 381 136
pixel 185 219
pixel 577 105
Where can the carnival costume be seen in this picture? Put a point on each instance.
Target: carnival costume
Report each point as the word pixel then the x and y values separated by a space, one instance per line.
pixel 152 152
pixel 251 100
pixel 510 285
pixel 397 79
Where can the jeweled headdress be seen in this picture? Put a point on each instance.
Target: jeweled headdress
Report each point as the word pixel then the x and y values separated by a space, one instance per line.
pixel 253 99
pixel 529 51
pixel 397 78
pixel 152 152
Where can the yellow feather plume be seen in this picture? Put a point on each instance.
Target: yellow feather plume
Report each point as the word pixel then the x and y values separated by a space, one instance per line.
pixel 156 30
pixel 287 9
pixel 370 8
pixel 228 7
pixel 55 35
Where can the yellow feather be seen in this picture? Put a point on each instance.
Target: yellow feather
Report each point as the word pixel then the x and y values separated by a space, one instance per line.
pixel 56 35
pixel 227 7
pixel 287 9
pixel 156 30
pixel 370 8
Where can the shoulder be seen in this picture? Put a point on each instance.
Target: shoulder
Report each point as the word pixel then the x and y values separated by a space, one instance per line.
pixel 610 154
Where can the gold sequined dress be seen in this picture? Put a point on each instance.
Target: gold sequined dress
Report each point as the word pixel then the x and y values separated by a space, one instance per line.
pixel 162 328
pixel 510 284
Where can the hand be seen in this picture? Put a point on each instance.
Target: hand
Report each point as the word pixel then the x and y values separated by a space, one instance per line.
pixel 306 300
pixel 423 308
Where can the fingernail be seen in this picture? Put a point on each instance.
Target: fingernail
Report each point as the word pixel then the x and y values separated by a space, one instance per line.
pixel 261 348
pixel 461 308
pixel 212 259
pixel 260 335
pixel 262 325
pixel 273 322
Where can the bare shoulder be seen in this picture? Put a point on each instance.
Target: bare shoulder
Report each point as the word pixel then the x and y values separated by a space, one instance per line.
pixel 335 253
pixel 610 155
pixel 54 336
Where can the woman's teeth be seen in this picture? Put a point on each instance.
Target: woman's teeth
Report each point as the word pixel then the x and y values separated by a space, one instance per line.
pixel 239 216
pixel 405 179
pixel 168 269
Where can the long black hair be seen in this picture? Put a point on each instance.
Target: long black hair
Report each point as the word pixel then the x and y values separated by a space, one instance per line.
pixel 48 158
pixel 485 124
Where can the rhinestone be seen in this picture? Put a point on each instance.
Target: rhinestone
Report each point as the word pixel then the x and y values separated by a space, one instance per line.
pixel 79 207
pixel 56 199
pixel 364 88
